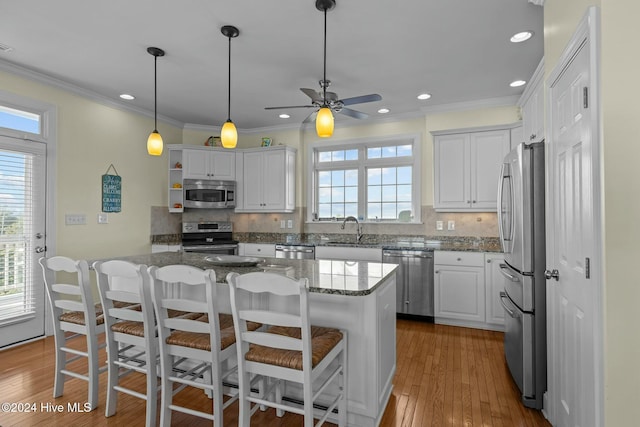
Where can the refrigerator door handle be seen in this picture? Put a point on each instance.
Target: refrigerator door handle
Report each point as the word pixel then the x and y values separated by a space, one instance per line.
pixel 504 270
pixel 503 297
pixel 505 235
pixel 500 181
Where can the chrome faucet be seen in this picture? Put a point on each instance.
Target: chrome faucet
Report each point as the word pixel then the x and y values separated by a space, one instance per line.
pixel 358 227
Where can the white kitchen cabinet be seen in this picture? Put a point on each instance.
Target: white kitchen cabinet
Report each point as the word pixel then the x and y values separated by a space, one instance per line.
pixel 467 165
pixel 268 180
pixel 176 198
pixel 257 249
pixel 163 247
pixel 494 283
pixel 517 136
pixel 532 106
pixel 459 288
pixel 349 253
pixel 209 163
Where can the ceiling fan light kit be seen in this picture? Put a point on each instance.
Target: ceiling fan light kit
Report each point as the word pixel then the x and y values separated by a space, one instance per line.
pixel 229 133
pixel 154 142
pixel 324 123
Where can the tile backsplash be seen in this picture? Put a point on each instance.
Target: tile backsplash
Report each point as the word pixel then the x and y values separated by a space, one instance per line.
pixel 478 224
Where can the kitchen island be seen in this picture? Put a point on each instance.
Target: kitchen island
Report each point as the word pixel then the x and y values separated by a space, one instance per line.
pixel 356 296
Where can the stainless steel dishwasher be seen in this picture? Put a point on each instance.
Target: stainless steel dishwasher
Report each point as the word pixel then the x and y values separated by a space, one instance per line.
pixel 414 281
pixel 295 251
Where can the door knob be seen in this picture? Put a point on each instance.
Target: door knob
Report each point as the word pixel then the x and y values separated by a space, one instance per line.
pixel 552 274
pixel 40 249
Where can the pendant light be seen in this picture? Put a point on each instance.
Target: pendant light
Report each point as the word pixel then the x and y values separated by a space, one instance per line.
pixel 324 118
pixel 154 142
pixel 229 133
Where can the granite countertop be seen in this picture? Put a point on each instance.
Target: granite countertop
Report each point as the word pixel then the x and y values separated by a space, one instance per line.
pixel 350 278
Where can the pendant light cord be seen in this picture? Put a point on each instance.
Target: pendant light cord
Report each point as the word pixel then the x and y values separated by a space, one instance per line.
pixel 229 85
pixel 155 92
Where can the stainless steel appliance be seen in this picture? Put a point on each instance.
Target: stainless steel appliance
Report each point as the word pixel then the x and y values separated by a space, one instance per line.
pixel 208 194
pixel 209 237
pixel 295 251
pixel 521 223
pixel 414 281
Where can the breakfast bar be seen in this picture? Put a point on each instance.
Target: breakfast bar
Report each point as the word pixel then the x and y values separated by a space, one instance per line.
pixel 356 296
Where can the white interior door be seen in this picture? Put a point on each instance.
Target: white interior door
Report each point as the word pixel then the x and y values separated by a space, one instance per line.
pixel 22 239
pixel 572 244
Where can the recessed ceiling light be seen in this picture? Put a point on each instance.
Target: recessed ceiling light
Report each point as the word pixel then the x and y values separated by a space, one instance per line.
pixel 522 36
pixel 424 96
pixel 517 83
pixel 284 116
pixel 383 110
pixel 127 96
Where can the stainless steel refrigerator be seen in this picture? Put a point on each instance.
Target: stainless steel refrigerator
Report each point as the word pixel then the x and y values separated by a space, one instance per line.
pixel 521 221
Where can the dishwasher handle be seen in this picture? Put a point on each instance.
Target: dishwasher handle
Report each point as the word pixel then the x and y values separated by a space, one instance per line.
pixel 392 254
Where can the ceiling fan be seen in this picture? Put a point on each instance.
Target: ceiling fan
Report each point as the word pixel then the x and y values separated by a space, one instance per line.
pixel 323 98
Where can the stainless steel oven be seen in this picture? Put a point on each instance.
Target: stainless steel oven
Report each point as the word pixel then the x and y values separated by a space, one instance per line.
pixel 209 237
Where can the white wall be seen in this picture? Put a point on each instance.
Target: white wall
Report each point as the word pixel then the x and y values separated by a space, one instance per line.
pixel 91 136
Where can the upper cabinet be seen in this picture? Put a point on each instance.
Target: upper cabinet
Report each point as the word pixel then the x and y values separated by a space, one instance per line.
pixel 532 105
pixel 209 163
pixel 467 165
pixel 266 179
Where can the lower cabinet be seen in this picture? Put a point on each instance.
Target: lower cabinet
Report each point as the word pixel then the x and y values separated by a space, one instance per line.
pixel 257 249
pixel 162 247
pixel 466 289
pixel 494 283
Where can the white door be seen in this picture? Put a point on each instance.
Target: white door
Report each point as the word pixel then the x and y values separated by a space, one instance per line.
pixel 572 245
pixel 22 239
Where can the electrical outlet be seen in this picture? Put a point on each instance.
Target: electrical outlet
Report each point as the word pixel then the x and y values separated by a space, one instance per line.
pixel 75 219
pixel 290 223
pixel 439 225
pixel 451 225
pixel 282 223
pixel 103 218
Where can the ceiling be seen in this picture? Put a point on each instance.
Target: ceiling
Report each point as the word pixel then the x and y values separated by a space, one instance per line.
pixel 457 50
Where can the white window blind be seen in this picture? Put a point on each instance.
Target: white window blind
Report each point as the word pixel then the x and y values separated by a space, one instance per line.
pixel 21 183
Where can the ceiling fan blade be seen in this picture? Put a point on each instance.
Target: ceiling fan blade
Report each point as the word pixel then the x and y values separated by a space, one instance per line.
pixel 361 99
pixel 353 113
pixel 289 106
pixel 311 94
pixel 311 117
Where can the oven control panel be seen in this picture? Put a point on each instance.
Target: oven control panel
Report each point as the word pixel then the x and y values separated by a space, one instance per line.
pixel 207 227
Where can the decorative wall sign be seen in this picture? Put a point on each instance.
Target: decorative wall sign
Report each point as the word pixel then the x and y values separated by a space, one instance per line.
pixel 111 191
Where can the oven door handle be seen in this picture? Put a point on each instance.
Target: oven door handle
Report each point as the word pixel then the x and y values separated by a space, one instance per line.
pixel 208 247
pixel 512 313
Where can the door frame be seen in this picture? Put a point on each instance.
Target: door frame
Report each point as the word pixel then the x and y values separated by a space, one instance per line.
pixel 587 31
pixel 49 119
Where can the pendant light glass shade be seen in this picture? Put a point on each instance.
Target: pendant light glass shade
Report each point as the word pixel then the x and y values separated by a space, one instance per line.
pixel 154 144
pixel 229 135
pixel 324 123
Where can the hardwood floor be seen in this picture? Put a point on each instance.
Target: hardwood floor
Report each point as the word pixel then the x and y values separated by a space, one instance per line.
pixel 446 376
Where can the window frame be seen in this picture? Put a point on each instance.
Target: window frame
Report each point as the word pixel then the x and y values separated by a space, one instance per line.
pixel 363 164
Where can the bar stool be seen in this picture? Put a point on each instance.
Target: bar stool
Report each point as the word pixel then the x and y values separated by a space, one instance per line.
pixel 78 316
pixel 131 333
pixel 204 345
pixel 290 349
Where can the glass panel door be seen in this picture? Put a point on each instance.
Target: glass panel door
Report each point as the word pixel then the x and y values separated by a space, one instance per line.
pixel 22 239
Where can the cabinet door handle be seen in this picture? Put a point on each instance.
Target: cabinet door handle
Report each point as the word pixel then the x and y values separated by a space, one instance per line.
pixel 473 201
pixel 532 137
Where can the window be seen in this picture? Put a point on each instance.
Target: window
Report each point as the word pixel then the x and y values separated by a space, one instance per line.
pixel 372 181
pixel 19 120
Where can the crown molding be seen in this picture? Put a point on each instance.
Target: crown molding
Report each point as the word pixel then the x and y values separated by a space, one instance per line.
pixel 85 93
pixel 505 101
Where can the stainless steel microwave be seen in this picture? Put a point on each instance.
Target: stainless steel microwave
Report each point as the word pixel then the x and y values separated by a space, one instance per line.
pixel 209 194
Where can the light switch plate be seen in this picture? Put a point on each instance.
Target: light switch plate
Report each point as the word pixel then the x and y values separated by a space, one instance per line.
pixel 282 223
pixel 289 223
pixel 103 218
pixel 451 225
pixel 439 225
pixel 75 219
